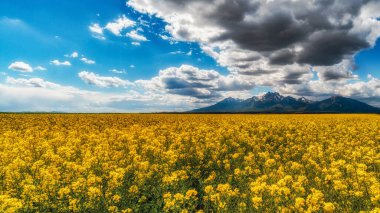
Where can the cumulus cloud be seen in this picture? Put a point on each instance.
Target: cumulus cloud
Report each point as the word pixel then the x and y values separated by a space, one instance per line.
pixel 136 36
pixel 118 25
pixel 87 61
pixel 32 82
pixel 24 67
pixel 73 55
pixel 330 47
pixel 341 71
pixel 102 81
pixel 36 94
pixel 97 31
pixel 60 63
pixel 277 40
pixel 115 27
pixel 168 38
pixel 368 91
pixel 20 66
pixel 191 81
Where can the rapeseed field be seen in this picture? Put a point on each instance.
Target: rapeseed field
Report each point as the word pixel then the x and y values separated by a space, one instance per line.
pixel 189 163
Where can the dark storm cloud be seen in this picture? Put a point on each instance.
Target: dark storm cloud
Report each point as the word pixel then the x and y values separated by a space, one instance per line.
pixel 282 27
pixel 329 47
pixel 282 57
pixel 320 27
pixel 334 73
pixel 232 12
pixel 325 42
pixel 257 72
pixel 193 75
pixel 190 81
pixel 243 66
pixel 307 92
pixel 272 43
pixel 275 32
pixel 177 83
pixel 194 92
pixel 248 59
pixel 331 75
pixel 293 78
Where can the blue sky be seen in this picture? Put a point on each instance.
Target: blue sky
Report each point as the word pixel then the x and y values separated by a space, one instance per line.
pixel 368 61
pixel 40 31
pixel 110 53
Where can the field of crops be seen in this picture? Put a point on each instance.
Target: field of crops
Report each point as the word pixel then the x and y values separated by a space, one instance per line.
pixel 189 163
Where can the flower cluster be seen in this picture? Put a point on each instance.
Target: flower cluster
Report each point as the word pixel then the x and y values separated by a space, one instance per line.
pixel 189 163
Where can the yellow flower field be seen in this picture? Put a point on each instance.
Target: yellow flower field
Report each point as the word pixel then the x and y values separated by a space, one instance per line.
pixel 189 163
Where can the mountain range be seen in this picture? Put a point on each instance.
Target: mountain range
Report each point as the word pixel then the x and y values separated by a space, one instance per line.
pixel 273 102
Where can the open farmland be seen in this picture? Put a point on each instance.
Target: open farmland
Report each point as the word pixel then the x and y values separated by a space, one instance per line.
pixel 189 163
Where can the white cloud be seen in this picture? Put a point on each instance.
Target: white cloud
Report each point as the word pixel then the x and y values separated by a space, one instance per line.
pixel 87 61
pixel 97 31
pixel 41 68
pixel 72 55
pixel 191 81
pixel 118 71
pixel 135 36
pixel 60 63
pixel 20 66
pixel 95 28
pixel 368 91
pixel 40 95
pixel 102 81
pixel 273 43
pixel 174 89
pixel 32 82
pixel 118 25
pixel 168 38
pixel 340 71
pixel 37 94
pixel 24 67
pixel 135 43
pixel 177 52
pixel 368 23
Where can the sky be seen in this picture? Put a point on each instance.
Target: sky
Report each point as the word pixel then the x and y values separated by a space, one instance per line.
pixel 177 55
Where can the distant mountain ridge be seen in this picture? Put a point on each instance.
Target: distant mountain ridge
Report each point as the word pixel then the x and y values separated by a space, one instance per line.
pixel 273 102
